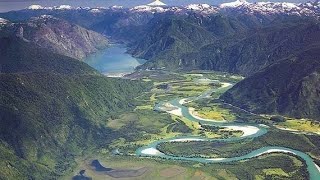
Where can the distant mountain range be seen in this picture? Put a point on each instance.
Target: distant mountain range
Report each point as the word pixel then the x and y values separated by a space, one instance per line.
pixel 6 5
pixel 240 5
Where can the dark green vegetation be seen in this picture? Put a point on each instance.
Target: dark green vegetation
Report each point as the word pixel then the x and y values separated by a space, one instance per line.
pixel 179 126
pixel 50 123
pixel 278 119
pixel 303 143
pixel 224 43
pixel 289 87
pixel 285 55
pixel 272 166
pixel 20 56
pixel 52 109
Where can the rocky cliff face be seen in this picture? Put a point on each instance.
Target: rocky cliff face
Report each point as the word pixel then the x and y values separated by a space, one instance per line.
pixel 59 36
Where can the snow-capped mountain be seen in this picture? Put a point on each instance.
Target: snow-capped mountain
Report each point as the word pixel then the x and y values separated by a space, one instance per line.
pixel 238 6
pixel 157 3
pixel 35 7
pixel 234 4
pixel 241 6
pixel 203 8
pixel 310 8
pixel 197 8
pixel 63 7
pixel 3 21
pixel 39 7
pixel 146 8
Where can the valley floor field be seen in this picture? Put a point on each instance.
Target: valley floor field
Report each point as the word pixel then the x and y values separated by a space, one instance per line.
pixel 181 128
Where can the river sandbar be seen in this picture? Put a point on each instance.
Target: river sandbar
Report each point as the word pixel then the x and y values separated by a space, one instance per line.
pixel 186 140
pixel 151 151
pixel 247 130
pixel 274 150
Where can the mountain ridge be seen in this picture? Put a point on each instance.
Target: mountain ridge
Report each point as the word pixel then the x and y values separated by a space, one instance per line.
pixel 58 35
pixel 307 8
pixel 232 45
pixel 289 87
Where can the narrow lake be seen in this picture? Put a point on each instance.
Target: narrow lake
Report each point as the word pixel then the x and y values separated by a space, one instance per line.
pixel 113 61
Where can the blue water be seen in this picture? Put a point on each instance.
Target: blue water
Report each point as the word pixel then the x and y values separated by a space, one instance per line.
pixel 314 173
pixel 113 60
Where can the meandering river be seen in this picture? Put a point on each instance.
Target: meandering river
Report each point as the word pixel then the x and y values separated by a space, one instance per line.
pixel 250 131
pixel 114 61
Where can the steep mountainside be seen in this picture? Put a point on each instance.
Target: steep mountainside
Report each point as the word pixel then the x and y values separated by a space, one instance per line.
pixel 172 37
pixel 17 55
pixel 258 48
pixel 289 87
pixel 224 44
pixel 118 24
pixel 58 36
pixel 53 108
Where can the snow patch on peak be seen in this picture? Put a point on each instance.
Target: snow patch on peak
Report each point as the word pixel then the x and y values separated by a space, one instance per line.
pixel 83 8
pixel 3 21
pixel 202 8
pixel 289 5
pixel 116 7
pixel 63 7
pixel 35 7
pixel 156 3
pixel 198 6
pixel 241 6
pixel 236 3
pixel 45 16
pixel 267 8
pixel 146 8
pixel 42 18
pixel 95 10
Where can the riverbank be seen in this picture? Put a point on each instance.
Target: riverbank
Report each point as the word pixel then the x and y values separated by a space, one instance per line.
pixel 248 131
pixel 194 114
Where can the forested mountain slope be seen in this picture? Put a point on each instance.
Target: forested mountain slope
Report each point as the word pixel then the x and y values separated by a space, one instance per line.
pixel 289 87
pixel 52 108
